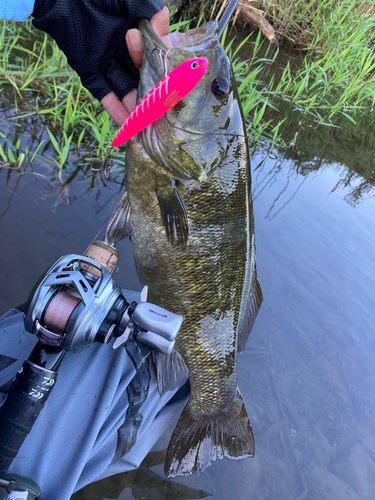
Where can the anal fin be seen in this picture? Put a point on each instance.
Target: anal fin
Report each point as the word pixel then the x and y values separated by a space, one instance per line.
pixel 250 312
pixel 171 371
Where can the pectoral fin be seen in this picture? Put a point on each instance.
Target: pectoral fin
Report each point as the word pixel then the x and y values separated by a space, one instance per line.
pixel 173 212
pixel 120 225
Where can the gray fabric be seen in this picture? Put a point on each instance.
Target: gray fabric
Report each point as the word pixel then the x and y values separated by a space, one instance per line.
pixel 74 439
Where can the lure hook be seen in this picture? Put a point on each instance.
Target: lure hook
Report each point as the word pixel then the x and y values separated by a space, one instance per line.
pixel 107 164
pixel 163 58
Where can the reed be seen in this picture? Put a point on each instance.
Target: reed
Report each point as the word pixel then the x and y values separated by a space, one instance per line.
pixel 46 90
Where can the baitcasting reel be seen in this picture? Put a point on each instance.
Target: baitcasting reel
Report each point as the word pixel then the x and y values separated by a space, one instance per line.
pixel 77 302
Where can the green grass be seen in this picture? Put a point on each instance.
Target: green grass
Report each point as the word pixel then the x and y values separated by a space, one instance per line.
pixel 307 24
pixel 46 91
pixel 334 82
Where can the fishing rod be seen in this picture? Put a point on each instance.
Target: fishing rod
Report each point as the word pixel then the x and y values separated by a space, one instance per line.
pixel 227 15
pixel 76 302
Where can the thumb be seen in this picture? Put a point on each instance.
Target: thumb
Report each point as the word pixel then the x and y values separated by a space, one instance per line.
pixel 160 23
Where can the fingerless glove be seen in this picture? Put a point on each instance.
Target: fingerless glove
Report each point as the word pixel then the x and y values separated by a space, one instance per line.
pixel 91 33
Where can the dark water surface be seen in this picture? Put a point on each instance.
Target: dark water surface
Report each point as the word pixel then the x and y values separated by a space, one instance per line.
pixel 307 375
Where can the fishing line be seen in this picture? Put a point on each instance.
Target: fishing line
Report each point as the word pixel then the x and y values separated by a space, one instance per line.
pixel 165 61
pixel 192 47
pixel 97 234
pixel 203 133
pixel 59 310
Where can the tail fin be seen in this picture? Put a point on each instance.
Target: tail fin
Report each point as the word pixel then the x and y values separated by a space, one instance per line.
pixel 199 439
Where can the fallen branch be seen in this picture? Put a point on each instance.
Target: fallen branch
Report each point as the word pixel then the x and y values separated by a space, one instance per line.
pixel 256 18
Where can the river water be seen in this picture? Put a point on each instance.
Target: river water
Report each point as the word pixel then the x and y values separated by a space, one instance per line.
pixel 307 375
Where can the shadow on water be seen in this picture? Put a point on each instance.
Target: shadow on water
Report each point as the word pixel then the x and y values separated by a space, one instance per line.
pixel 307 375
pixel 143 483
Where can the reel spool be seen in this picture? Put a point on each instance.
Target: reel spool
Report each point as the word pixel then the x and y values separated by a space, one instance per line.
pixel 77 302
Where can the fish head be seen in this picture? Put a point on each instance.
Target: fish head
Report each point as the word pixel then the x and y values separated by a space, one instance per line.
pixel 191 140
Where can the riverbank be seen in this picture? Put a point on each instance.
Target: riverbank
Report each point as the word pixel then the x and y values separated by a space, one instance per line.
pixel 306 25
pixel 334 82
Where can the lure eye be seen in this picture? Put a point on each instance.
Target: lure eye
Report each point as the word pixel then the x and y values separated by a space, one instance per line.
pixel 220 87
pixel 194 65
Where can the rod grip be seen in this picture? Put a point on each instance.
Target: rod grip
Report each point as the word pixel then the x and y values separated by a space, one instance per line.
pixel 21 407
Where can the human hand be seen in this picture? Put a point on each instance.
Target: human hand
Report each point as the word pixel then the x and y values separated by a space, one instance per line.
pixel 91 33
pixel 118 109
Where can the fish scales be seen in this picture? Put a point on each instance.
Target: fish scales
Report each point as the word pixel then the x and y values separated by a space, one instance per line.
pixel 188 183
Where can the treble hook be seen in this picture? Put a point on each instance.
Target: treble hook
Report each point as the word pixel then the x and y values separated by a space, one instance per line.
pixel 163 58
pixel 106 165
pixel 108 162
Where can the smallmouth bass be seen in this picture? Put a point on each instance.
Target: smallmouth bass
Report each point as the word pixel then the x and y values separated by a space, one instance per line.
pixel 188 193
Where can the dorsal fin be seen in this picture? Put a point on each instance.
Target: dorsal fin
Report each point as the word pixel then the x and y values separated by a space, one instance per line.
pixel 246 322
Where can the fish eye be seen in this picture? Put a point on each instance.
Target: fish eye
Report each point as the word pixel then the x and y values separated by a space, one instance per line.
pixel 220 87
pixel 194 65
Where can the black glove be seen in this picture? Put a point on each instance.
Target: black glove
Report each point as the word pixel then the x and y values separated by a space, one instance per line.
pixel 91 33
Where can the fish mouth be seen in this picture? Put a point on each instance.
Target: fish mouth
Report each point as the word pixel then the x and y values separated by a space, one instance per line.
pixel 149 37
pixel 197 40
pixel 192 38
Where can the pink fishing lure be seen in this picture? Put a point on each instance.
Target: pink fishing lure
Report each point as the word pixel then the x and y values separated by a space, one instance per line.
pixel 166 94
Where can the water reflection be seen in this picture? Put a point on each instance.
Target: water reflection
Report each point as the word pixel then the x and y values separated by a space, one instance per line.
pixel 59 185
pixel 315 396
pixel 264 178
pixel 346 148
